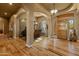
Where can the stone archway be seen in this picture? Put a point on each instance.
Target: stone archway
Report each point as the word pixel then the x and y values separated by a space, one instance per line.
pixel 40 25
pixel 47 28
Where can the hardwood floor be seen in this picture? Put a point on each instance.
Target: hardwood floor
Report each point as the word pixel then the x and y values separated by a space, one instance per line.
pixel 45 47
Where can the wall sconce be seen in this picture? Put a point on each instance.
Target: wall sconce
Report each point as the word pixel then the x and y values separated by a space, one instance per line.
pixel 23 20
pixel 36 23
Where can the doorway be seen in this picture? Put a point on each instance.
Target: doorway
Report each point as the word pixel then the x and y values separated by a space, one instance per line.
pixel 40 28
pixel 71 30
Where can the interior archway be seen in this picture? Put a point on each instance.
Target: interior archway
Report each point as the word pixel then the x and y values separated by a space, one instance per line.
pixel 40 26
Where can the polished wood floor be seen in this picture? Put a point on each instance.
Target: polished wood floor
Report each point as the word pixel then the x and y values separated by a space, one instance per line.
pixel 44 47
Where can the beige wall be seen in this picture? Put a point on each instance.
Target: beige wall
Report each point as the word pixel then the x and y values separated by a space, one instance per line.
pixel 4 25
pixel 1 24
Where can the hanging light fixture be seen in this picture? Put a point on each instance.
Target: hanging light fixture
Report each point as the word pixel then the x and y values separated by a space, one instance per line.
pixel 54 11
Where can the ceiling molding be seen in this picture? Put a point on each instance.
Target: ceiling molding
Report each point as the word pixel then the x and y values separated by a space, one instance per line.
pixel 67 8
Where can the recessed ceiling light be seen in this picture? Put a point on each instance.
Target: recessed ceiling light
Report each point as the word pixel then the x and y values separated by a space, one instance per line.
pixel 10 3
pixel 5 13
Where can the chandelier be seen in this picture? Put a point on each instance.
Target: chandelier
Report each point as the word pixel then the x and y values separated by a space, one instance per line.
pixel 54 10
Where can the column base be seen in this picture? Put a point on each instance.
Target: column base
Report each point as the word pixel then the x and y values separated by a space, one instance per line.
pixel 54 36
pixel 29 46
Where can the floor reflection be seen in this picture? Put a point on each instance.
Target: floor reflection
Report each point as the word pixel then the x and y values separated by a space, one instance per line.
pixel 60 46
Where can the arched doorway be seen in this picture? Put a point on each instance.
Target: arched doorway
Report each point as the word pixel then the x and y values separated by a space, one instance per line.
pixel 40 26
pixel 22 25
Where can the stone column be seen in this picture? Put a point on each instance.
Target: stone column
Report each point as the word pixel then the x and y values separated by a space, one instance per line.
pixel 30 29
pixel 49 26
pixel 76 23
pixel 53 19
pixel 55 27
pixel 14 27
pixel 17 28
